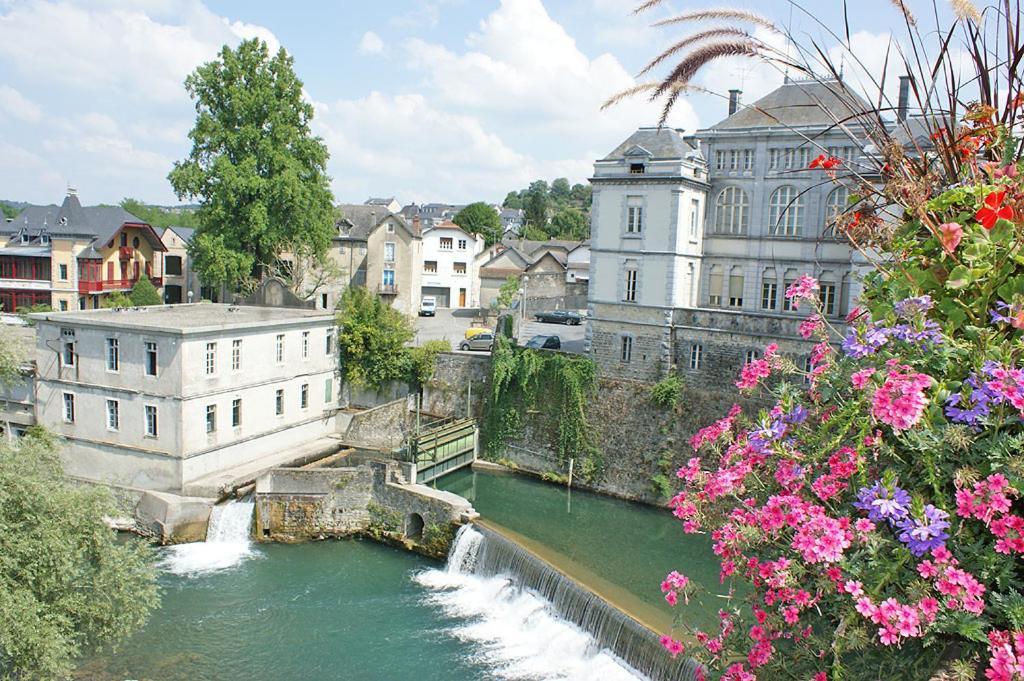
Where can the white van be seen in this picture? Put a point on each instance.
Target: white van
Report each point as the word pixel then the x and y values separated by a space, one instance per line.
pixel 428 306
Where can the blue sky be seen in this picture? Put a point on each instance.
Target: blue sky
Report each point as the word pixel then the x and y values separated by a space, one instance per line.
pixel 426 100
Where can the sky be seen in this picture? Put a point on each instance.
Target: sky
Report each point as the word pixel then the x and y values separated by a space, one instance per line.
pixel 425 100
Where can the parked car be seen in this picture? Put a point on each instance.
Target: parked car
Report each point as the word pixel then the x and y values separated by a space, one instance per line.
pixel 545 343
pixel 567 317
pixel 475 331
pixel 481 341
pixel 428 306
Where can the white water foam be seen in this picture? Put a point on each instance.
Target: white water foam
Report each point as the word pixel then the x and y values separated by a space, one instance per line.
pixel 516 631
pixel 227 543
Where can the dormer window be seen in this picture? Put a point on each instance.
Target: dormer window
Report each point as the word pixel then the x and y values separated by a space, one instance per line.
pixel 24 237
pixel 44 239
pixel 636 168
pixel 124 240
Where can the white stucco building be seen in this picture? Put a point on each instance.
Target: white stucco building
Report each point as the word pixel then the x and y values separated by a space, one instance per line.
pixel 157 398
pixel 450 270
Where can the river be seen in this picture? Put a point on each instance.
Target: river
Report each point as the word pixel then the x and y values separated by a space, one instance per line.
pixel 354 609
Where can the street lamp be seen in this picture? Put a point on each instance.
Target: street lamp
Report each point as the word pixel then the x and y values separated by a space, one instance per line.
pixel 522 293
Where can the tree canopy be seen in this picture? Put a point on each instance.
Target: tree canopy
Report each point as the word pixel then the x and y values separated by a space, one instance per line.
pixel 67 583
pixel 8 211
pixel 13 354
pixel 160 217
pixel 544 203
pixel 371 338
pixel 256 169
pixel 569 224
pixel 144 293
pixel 480 218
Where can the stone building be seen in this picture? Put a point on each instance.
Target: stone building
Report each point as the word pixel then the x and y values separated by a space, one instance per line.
pixel 768 220
pixel 158 398
pixel 181 283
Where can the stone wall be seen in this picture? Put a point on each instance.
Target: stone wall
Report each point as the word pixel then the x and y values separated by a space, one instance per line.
pixel 383 427
pixel 446 393
pixel 649 330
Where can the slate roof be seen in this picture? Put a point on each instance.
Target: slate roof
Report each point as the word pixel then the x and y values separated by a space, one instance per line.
pixel 71 219
pixel 658 142
pixel 379 201
pixel 358 220
pixel 532 249
pixel 186 233
pixel 798 103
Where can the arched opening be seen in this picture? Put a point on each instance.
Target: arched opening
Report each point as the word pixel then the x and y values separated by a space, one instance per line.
pixel 413 526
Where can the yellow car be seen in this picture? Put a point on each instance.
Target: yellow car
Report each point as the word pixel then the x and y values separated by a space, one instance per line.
pixel 474 330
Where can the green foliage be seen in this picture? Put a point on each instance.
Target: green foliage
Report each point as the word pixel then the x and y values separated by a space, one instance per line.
pixel 513 201
pixel 479 218
pixel 67 584
pixel 437 539
pixel 549 386
pixel 555 477
pixel 534 233
pixel 662 482
pixel 569 224
pixel 159 217
pixel 423 360
pixel 667 392
pixel 144 293
pixel 9 212
pixel 24 312
pixel 255 167
pixel 372 338
pixel 13 355
pixel 116 299
pixel 537 209
pixel 507 292
pixel 506 326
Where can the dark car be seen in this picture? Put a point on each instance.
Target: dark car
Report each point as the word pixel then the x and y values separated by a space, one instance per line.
pixel 559 317
pixel 545 343
pixel 481 341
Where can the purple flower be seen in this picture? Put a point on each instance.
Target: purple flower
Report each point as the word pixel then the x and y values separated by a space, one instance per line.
pixel 909 308
pixel 998 317
pixel 973 407
pixel 881 503
pixel 798 415
pixel 923 534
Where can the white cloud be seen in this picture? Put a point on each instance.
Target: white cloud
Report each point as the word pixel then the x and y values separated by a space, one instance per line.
pixel 371 43
pixel 17 106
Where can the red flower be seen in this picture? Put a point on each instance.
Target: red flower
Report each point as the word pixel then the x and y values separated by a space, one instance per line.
pixel 993 210
pixel 826 162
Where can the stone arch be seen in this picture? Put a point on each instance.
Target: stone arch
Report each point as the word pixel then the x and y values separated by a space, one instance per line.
pixel 413 526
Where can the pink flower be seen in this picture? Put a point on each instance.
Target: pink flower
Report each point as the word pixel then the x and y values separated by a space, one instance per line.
pixel 950 235
pixel 854 588
pixel 671 598
pixel 673 646
pixel 820 676
pixel 810 326
pixel 860 379
pixel 803 288
pixel 900 401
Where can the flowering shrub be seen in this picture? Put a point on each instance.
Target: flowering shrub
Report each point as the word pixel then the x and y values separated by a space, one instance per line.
pixel 872 510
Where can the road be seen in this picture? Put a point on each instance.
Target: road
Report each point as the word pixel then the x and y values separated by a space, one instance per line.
pixel 571 336
pixel 451 325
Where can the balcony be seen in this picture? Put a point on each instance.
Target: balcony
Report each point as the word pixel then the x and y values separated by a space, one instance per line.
pixel 387 290
pixel 107 285
pixel 126 252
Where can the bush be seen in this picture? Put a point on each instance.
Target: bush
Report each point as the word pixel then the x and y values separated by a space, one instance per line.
pixel 667 392
pixel 144 293
pixel 115 300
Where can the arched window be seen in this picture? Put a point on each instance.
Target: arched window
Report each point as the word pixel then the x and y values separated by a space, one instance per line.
pixel 785 212
pixel 732 210
pixel 836 204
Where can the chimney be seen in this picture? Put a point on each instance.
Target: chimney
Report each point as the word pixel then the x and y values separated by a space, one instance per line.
pixel 904 102
pixel 734 100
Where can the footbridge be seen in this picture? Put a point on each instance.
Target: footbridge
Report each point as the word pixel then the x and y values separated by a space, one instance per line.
pixel 441 447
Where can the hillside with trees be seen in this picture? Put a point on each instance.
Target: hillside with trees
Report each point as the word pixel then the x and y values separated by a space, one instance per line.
pixel 555 211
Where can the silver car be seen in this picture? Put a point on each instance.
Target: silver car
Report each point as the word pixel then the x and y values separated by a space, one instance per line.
pixel 481 341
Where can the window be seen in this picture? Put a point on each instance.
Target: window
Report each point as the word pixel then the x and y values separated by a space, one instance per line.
pixel 696 354
pixel 63 306
pixel 68 354
pixel 748 159
pixel 236 354
pixel 124 240
pixel 211 418
pixel 64 272
pixel 279 401
pixel 694 212
pixel 113 355
pixel 446 243
pixel 69 408
pixel 736 287
pixel 774 159
pixel 787 303
pixel 328 388
pixel 720 157
pixel 24 237
pixel 769 292
pixel 236 412
pixel 803 157
pixel 279 348
pixel 305 345
pixel 634 214
pixel 150 420
pixel 462 244
pixel 636 168
pixel 389 251
pixel 329 343
pixel 172 265
pixel 150 358
pixel 731 211
pixel 627 349
pixel 113 415
pixel 304 396
pixel 391 228
pixel 630 293
pixel 734 159
pixel 827 296
pixel 785 211
pixel 459 267
pixel 716 280
pixel 836 204
pixel 430 266
pixel 750 356
pixel 211 359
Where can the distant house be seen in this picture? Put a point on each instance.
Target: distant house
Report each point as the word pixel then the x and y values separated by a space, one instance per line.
pixel 577 266
pixel 512 220
pixel 389 203
pixel 544 266
pixel 181 283
pixel 450 265
pixel 72 257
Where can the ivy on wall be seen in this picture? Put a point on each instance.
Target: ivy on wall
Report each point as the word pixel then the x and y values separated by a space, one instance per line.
pixel 550 388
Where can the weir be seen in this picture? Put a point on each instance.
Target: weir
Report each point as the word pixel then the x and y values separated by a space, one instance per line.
pixel 228 542
pixel 484 552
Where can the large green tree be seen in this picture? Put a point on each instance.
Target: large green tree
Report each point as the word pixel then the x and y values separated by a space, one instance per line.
pixel 569 224
pixel 372 339
pixel 67 584
pixel 256 169
pixel 480 218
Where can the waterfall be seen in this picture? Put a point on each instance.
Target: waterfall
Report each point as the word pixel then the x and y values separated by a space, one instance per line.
pixel 227 542
pixel 536 622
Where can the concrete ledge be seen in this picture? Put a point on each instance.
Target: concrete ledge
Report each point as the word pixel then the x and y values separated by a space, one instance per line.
pixel 174 519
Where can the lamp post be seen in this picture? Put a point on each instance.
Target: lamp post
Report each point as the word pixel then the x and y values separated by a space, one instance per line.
pixel 522 292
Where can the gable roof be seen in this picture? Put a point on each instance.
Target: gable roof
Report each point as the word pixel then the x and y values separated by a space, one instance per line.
pixel 186 233
pixel 799 103
pixel 661 143
pixel 511 253
pixel 557 258
pixel 71 219
pixel 358 220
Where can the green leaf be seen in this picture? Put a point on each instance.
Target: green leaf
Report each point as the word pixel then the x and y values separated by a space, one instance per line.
pixel 1003 232
pixel 959 278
